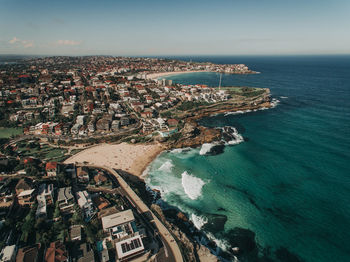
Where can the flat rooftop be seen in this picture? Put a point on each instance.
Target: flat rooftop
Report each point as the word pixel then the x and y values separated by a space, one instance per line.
pixel 117 219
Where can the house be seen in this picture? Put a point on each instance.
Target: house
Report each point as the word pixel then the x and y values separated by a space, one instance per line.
pixel 129 248
pixel 83 174
pixel 100 178
pixel 104 256
pixel 26 198
pixel 56 252
pixel 65 200
pixel 59 129
pixel 85 203
pixel 100 202
pixel 124 121
pixel 28 254
pixel 115 125
pixel 75 129
pixel 41 211
pixel 119 225
pixel 172 122
pixel 83 253
pixel 75 233
pixel 23 184
pixel 146 114
pixel 47 191
pixel 102 124
pixel 51 168
pixel 8 254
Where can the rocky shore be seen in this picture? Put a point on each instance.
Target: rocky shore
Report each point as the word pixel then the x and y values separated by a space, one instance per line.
pixel 194 135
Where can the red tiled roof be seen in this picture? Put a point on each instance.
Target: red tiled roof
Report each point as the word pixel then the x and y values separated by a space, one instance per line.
pixel 51 165
pixel 56 252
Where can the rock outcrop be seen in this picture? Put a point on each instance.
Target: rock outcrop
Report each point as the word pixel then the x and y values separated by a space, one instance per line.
pixel 194 135
pixel 192 250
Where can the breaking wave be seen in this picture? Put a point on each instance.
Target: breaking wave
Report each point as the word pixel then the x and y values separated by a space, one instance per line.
pixel 166 166
pixel 198 221
pixel 180 150
pixel 275 102
pixel 231 136
pixel 206 147
pixel 192 185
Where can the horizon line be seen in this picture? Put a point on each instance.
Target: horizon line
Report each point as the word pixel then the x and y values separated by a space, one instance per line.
pixel 173 55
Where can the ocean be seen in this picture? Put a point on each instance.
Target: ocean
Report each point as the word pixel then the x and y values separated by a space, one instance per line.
pixel 289 181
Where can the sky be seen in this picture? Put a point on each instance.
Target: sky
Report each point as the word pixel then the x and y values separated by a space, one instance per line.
pixel 192 27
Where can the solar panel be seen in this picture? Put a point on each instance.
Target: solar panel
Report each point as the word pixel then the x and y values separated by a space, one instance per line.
pixel 135 243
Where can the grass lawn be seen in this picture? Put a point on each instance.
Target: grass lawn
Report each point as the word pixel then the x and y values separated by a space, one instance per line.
pixel 8 132
pixel 44 152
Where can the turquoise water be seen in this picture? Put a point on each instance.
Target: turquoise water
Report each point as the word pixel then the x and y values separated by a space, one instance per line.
pixel 289 182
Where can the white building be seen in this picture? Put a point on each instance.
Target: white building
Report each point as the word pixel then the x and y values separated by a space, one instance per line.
pixel 8 254
pixel 85 203
pixel 128 248
pixel 122 229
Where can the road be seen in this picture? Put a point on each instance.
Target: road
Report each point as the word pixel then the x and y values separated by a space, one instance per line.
pixel 172 250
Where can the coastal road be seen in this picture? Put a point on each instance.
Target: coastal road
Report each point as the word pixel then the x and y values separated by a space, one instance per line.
pixel 172 250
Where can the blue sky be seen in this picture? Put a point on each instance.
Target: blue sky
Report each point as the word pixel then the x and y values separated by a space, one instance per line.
pixel 151 27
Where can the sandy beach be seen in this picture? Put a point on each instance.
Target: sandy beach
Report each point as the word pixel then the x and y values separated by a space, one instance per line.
pixel 128 157
pixel 164 74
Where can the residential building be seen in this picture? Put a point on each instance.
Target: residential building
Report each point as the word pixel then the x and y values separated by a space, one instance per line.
pixel 47 191
pixel 41 211
pixel 83 174
pixel 115 125
pixel 51 168
pixel 83 253
pixel 65 200
pixel 129 248
pixel 26 198
pixel 8 254
pixel 119 225
pixel 100 178
pixel 28 254
pixel 85 204
pixel 102 124
pixel 23 184
pixel 56 252
pixel 75 233
pixel 124 121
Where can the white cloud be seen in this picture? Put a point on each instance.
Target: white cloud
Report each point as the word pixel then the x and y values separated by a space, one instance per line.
pixel 68 42
pixel 23 43
pixel 14 40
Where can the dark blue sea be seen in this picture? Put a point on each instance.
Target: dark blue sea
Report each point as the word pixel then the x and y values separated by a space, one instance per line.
pixel 289 181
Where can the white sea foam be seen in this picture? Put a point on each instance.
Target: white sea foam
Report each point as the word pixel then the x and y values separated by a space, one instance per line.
pixel 284 97
pixel 238 138
pixel 166 166
pixel 235 113
pixel 192 185
pixel 198 221
pixel 145 172
pixel 180 150
pixel 219 242
pixel 274 102
pixel 206 147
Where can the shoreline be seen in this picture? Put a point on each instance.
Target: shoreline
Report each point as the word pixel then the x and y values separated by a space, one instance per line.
pixel 155 76
pixel 136 158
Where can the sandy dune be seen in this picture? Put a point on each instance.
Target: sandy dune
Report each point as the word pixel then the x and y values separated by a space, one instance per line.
pixel 131 158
